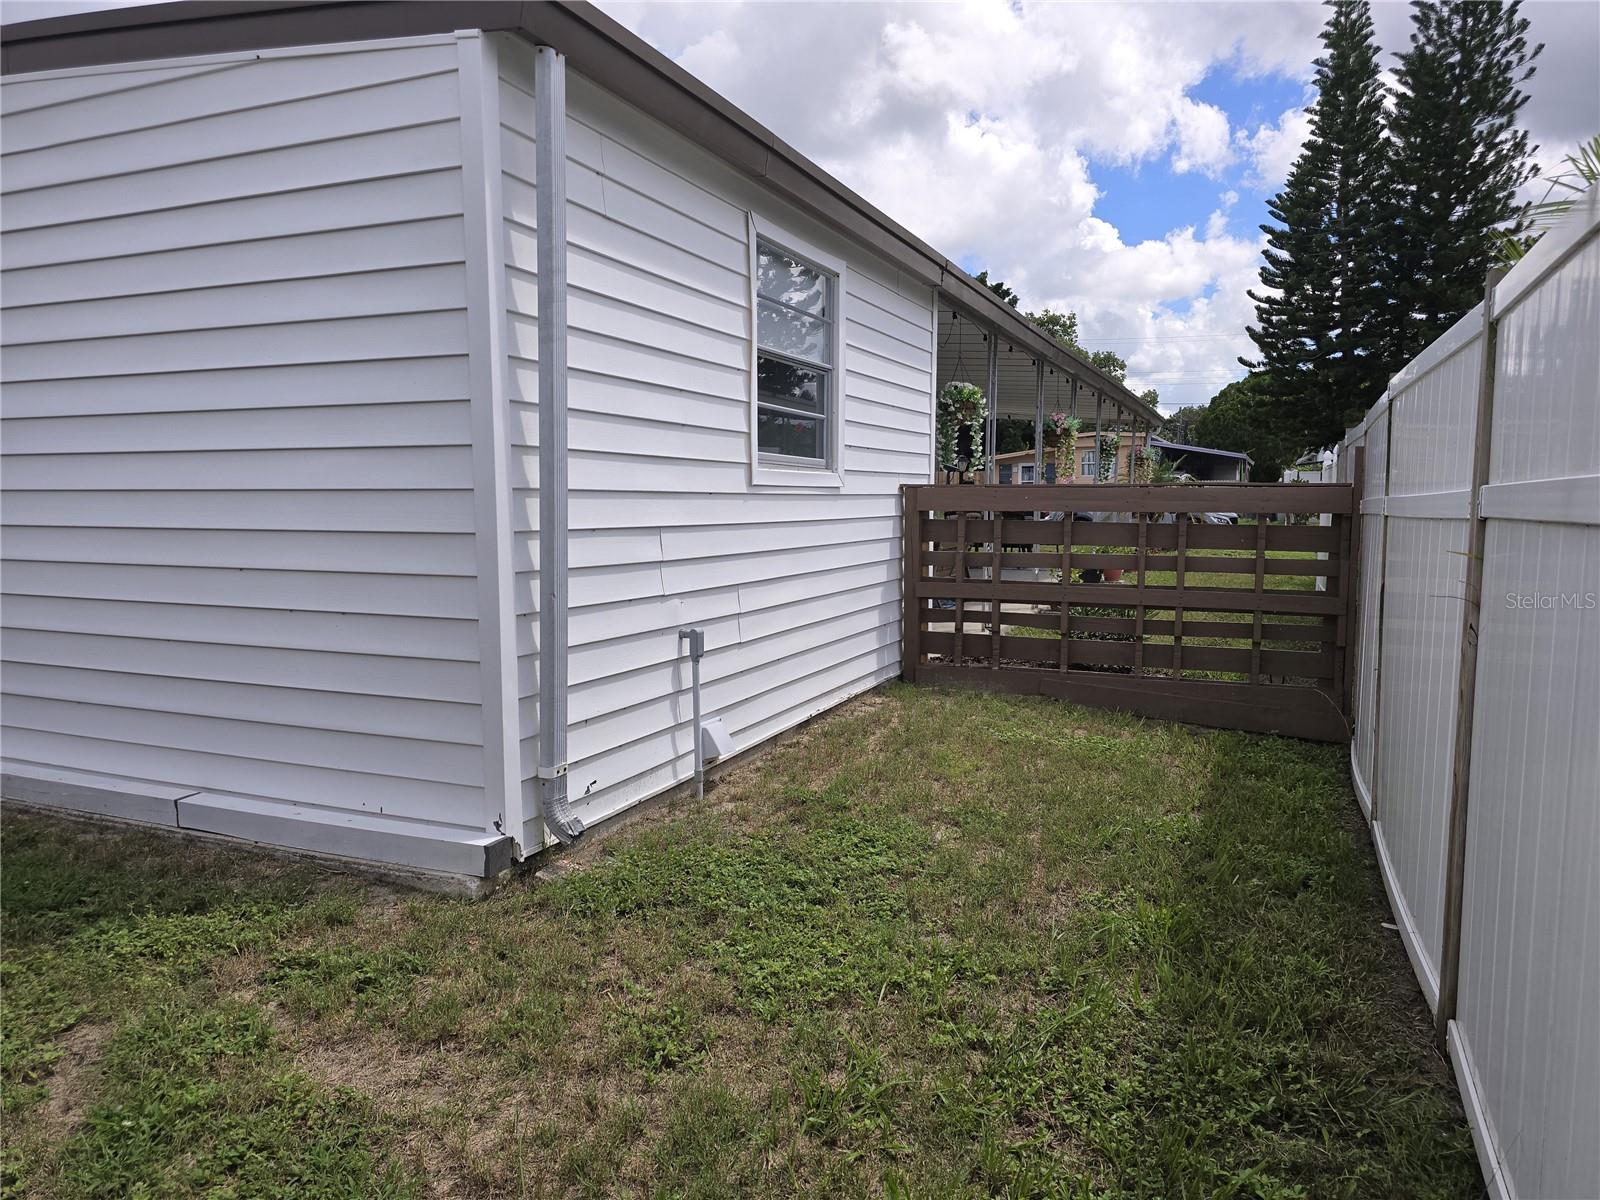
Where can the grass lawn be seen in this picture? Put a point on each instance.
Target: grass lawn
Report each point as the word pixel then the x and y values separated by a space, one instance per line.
pixel 936 945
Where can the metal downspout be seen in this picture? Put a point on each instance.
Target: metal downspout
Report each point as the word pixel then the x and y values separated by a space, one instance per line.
pixel 550 120
pixel 697 648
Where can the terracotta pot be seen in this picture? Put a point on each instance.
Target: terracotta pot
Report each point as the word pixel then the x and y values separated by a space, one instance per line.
pixel 1113 574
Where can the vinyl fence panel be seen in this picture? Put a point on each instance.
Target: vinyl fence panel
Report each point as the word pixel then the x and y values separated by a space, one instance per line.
pixel 1520 1018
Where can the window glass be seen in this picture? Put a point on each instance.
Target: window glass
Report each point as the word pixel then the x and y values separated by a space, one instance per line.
pixel 790 434
pixel 789 281
pixel 789 385
pixel 795 356
pixel 789 332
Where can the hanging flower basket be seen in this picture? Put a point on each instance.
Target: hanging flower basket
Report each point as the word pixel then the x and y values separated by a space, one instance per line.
pixel 1066 430
pixel 1110 443
pixel 963 414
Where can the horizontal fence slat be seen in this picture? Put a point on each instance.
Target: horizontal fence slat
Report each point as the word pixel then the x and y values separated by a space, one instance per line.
pixel 1195 563
pixel 1189 598
pixel 1025 531
pixel 1238 630
pixel 1296 664
pixel 1285 709
pixel 1136 498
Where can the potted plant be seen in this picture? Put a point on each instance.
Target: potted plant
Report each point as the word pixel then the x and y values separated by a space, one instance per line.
pixel 1111 574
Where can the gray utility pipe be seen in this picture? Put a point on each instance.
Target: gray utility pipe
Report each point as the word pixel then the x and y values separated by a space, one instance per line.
pixel 697 648
pixel 550 160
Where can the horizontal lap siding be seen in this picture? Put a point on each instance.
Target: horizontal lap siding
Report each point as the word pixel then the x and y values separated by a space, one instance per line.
pixel 798 592
pixel 238 492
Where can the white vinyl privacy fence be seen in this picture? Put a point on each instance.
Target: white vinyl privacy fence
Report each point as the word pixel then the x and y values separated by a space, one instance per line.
pixel 1476 750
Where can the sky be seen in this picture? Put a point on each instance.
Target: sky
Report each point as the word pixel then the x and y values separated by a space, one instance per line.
pixel 1111 158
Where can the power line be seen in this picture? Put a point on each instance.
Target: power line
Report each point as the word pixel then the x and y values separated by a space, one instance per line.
pixel 1171 337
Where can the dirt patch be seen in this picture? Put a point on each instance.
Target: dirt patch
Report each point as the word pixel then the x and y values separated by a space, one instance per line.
pixel 72 1084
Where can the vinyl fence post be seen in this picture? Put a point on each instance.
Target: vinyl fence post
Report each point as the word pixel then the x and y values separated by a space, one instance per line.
pixel 1466 680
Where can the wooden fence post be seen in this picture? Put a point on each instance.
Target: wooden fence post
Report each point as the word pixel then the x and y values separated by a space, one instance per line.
pixel 1466 680
pixel 1350 581
pixel 910 574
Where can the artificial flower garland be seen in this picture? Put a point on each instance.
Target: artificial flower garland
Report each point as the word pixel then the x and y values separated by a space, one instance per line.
pixel 1066 431
pixel 961 406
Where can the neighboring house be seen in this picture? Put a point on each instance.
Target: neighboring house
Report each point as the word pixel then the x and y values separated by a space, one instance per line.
pixel 1316 467
pixel 1203 462
pixel 275 453
pixel 1019 466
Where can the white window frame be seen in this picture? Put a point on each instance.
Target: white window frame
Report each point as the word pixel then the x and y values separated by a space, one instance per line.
pixel 774 471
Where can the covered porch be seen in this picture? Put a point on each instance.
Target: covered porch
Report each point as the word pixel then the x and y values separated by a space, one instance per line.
pixel 1027 376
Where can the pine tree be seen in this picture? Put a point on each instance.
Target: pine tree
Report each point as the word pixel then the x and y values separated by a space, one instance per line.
pixel 1321 312
pixel 1459 160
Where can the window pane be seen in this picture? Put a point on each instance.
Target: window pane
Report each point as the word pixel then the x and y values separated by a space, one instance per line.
pixel 784 330
pixel 786 433
pixel 790 386
pixel 783 278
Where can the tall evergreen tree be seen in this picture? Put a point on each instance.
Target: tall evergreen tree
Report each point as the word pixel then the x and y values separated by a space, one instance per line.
pixel 1321 311
pixel 1459 160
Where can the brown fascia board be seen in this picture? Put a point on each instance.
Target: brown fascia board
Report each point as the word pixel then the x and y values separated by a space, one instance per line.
pixel 596 46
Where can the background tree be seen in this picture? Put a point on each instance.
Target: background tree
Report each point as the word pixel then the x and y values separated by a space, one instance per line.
pixel 1459 160
pixel 1063 327
pixel 1321 310
pixel 1179 427
pixel 998 287
pixel 1242 417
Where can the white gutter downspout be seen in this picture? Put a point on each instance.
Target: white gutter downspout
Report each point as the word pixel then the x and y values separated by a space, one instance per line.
pixel 550 121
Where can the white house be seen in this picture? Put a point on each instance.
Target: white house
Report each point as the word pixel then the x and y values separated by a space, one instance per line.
pixel 275 462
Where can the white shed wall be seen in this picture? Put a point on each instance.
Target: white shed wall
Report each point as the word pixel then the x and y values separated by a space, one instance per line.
pixel 798 591
pixel 238 483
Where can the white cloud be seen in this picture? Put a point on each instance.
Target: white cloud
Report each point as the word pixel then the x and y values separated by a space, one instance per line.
pixel 1203 144
pixel 1272 149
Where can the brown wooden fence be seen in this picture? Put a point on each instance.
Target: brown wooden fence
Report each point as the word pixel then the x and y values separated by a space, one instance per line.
pixel 1238 626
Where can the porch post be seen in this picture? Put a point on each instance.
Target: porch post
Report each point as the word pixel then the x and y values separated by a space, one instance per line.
pixel 991 473
pixel 1099 404
pixel 1038 421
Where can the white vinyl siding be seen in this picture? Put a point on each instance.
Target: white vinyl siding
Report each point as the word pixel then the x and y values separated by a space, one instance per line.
pixel 239 551
pixel 797 589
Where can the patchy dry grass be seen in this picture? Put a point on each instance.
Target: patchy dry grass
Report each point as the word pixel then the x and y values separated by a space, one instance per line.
pixel 936 946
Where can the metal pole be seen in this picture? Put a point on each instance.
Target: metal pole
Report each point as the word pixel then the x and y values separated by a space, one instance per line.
pixel 1038 422
pixel 991 473
pixel 697 647
pixel 550 114
pixel 1099 470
